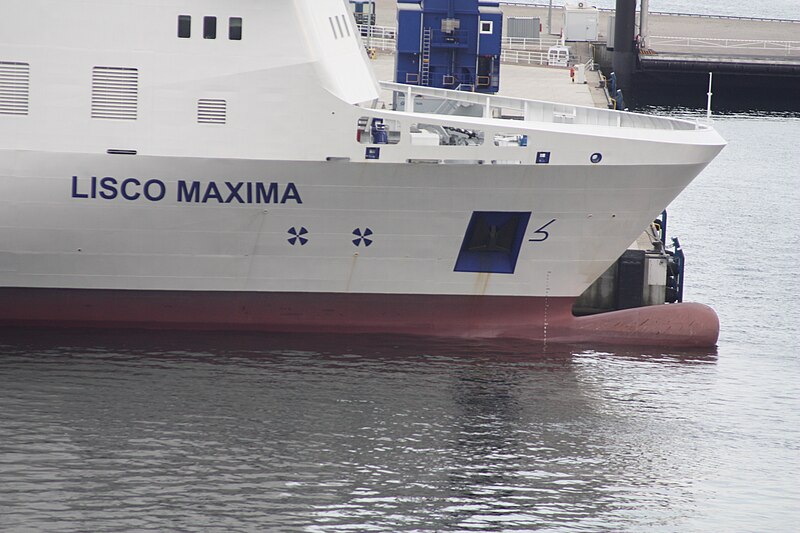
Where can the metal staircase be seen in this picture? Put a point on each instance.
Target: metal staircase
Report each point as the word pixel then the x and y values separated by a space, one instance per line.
pixel 425 74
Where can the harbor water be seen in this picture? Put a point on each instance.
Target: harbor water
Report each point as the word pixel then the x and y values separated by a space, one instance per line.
pixel 135 431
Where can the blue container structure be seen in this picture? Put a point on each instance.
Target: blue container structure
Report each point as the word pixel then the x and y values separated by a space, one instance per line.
pixel 363 11
pixel 450 44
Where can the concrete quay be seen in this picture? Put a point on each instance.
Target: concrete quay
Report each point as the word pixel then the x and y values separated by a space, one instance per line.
pixel 549 84
pixel 756 63
pixel 534 83
pixel 674 25
pixel 662 26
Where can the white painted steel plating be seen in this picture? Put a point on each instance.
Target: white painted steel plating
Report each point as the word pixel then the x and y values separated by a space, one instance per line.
pixel 295 94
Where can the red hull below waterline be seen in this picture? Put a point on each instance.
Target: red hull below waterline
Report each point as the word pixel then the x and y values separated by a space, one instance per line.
pixel 546 320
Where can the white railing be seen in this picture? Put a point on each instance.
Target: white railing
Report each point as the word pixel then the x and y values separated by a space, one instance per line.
pixel 559 5
pixel 380 32
pixel 385 45
pixel 537 111
pixel 522 43
pixel 523 57
pixel 783 47
pixel 520 57
pixel 383 35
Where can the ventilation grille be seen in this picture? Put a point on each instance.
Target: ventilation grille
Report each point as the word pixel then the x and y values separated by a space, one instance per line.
pixel 211 111
pixel 339 26
pixel 14 88
pixel 115 93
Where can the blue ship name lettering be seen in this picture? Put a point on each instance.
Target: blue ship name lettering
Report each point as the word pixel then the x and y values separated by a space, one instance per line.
pixel 243 192
pixel 109 188
pixel 188 192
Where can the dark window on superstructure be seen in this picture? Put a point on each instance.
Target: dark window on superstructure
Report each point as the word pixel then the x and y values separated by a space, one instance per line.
pixel 184 26
pixel 209 27
pixel 235 29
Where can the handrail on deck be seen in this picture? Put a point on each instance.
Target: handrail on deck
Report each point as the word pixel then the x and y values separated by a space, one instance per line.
pixel 540 111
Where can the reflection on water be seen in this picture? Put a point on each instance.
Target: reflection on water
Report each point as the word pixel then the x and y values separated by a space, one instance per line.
pixel 129 431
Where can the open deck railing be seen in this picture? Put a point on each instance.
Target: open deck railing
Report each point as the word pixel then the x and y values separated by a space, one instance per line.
pixel 539 111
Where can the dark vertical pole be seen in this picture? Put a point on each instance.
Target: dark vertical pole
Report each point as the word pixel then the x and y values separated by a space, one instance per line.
pixel 624 61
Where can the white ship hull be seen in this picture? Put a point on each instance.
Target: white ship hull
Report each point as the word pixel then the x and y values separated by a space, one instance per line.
pixel 186 178
pixel 55 234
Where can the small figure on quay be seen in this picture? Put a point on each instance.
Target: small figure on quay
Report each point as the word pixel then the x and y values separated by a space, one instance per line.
pixel 572 74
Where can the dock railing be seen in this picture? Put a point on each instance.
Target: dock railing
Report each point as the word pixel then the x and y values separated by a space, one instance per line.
pixel 783 47
pixel 526 51
pixel 523 57
pixel 524 43
pixel 534 51
pixel 377 32
pixel 530 3
pixel 384 45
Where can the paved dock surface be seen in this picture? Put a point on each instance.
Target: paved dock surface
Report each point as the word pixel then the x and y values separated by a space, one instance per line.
pixel 550 84
pixel 697 27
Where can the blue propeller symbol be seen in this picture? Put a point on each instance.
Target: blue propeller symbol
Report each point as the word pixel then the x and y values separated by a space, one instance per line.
pixel 362 237
pixel 298 236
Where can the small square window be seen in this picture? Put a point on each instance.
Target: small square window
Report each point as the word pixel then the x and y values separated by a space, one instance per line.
pixel 486 26
pixel 235 28
pixel 209 27
pixel 184 26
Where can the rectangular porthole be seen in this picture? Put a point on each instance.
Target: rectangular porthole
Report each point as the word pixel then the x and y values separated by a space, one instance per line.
pixel 235 28
pixel 184 26
pixel 492 242
pixel 209 27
